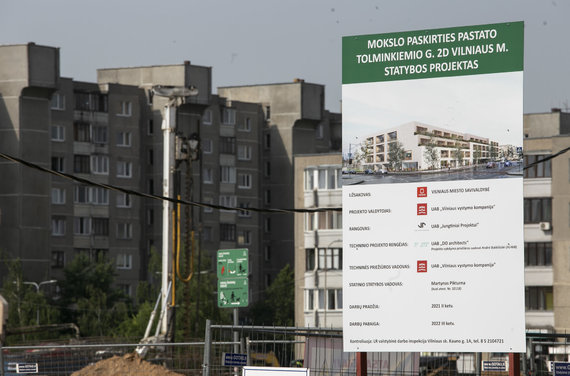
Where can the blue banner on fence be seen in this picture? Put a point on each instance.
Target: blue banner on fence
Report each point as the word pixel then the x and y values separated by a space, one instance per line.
pixel 231 359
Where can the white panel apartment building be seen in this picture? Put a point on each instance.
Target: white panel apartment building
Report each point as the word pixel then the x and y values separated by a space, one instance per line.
pixel 415 138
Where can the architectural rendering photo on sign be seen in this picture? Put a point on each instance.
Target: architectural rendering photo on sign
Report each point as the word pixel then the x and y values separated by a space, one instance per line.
pixel 434 118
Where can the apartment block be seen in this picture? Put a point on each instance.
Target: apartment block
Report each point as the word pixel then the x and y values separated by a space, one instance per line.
pixel 110 132
pixel 318 241
pixel 547 222
pixel 454 149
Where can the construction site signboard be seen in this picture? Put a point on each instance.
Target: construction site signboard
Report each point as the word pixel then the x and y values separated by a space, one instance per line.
pixel 232 271
pixel 433 201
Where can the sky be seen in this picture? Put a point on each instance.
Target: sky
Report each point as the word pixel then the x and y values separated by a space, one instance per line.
pixel 453 103
pixel 265 41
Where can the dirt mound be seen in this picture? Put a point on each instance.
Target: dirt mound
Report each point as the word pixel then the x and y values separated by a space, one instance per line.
pixel 129 364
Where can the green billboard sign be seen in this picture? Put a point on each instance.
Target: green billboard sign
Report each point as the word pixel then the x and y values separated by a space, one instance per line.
pixel 233 292
pixel 466 50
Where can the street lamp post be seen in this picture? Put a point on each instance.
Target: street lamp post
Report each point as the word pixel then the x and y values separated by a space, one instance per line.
pixel 37 286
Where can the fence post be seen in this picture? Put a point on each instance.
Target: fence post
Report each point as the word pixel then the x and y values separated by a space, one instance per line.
pixel 362 364
pixel 1 358
pixel 207 349
pixel 514 364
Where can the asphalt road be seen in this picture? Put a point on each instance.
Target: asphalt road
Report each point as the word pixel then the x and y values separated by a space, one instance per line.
pixel 479 172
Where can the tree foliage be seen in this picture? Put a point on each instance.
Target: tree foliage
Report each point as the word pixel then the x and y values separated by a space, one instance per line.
pixel 431 154
pixel 396 155
pixel 278 308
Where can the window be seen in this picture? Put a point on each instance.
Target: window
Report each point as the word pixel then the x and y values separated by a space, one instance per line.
pixel 267 112
pixel 125 108
pixel 267 252
pixel 309 300
pixel 207 117
pixel 81 132
pixel 101 226
pixel 227 174
pixel 539 298
pixel 245 125
pixel 228 201
pixel 267 141
pixel 244 213
pixel 58 164
pixel 210 201
pixel 540 170
pixel 267 169
pixel 57 133
pixel 207 233
pixel 58 196
pixel 150 127
pixel 320 131
pixel 82 226
pixel 322 298
pixel 100 135
pixel 123 200
pixel 330 259
pixel 81 164
pixel 309 259
pixel 244 237
pixel 267 197
pixel 227 145
pixel 324 220
pixel 328 178
pixel 124 261
pixel 207 175
pixel 228 116
pixel 244 152
pixel 94 255
pixel 58 102
pixel 124 230
pixel 81 194
pixel 244 181
pixel 58 226
pixel 538 254
pixel 537 210
pixel 125 288
pixel 57 259
pixel 267 225
pixel 124 169
pixel 150 156
pixel 207 146
pixel 99 196
pixel 150 185
pixel 85 101
pixel 334 299
pixel 227 232
pixel 150 216
pixel 124 139
pixel 100 164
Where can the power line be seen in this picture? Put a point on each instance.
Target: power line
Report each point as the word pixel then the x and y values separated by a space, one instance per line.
pixel 158 197
pixel 547 158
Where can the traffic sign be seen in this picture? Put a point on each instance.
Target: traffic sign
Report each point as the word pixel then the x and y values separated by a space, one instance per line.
pixel 233 292
pixel 232 263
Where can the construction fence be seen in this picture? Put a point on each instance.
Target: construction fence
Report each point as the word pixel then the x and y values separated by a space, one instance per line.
pixel 318 349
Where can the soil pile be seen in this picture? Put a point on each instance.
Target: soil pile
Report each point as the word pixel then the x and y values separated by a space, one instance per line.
pixel 129 364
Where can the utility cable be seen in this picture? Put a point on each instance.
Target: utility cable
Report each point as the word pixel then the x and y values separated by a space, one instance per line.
pixel 158 197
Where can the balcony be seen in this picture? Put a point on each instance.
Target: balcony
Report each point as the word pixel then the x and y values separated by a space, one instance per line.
pixel 323 198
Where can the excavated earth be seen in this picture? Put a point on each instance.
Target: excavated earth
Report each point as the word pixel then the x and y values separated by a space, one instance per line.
pixel 129 364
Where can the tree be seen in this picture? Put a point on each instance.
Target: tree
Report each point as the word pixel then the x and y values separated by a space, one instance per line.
pixel 458 155
pixel 477 155
pixel 363 154
pixel 396 155
pixel 88 297
pixel 278 308
pixel 431 154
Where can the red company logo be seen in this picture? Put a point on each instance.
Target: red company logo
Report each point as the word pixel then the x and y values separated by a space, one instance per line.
pixel 422 209
pixel 422 266
pixel 422 191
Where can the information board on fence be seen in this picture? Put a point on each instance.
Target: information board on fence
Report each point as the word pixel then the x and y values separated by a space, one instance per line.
pixel 433 215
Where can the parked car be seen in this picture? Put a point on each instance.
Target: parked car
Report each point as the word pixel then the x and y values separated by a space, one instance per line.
pixel 368 172
pixel 490 165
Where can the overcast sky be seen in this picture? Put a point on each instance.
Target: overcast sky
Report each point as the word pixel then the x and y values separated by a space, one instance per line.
pixel 264 41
